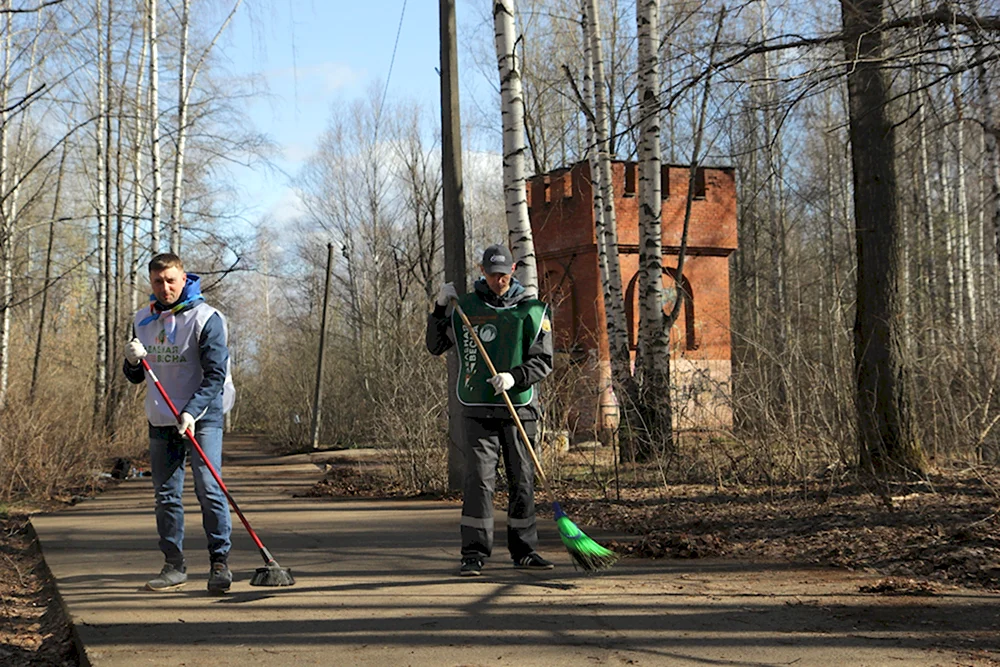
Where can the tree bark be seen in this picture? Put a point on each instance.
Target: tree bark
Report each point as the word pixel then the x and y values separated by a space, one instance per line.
pixel 512 111
pixel 156 165
pixel 886 438
pixel 653 354
pixel 100 380
pixel 43 311
pixel 176 208
pixel 6 216
pixel 614 303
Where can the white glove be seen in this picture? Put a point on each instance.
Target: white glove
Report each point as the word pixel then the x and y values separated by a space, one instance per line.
pixel 446 294
pixel 186 422
pixel 501 382
pixel 134 351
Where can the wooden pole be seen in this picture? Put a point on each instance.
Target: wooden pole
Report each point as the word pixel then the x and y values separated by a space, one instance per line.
pixel 454 219
pixel 318 395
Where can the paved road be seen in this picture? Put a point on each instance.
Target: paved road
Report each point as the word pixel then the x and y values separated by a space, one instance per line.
pixel 376 586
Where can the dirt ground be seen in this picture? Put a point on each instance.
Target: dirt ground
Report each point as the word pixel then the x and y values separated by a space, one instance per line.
pixel 920 538
pixel 34 629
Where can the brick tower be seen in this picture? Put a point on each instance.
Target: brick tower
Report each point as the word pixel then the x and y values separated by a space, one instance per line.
pixel 562 222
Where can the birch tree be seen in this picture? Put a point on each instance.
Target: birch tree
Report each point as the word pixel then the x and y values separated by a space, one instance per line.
pixel 185 86
pixel 607 238
pixel 512 113
pixel 153 120
pixel 101 210
pixel 653 354
pixel 6 216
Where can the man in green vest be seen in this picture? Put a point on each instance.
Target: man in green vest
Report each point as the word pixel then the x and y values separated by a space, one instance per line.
pixel 516 331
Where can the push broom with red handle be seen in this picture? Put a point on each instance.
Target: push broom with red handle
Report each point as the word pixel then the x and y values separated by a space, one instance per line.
pixel 586 553
pixel 271 574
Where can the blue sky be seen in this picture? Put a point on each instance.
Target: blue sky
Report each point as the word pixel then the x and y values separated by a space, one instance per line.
pixel 312 53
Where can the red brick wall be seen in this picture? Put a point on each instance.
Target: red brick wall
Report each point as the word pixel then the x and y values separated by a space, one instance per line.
pixel 562 217
pixel 562 221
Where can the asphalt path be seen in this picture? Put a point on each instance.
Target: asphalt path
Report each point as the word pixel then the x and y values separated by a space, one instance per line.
pixel 376 585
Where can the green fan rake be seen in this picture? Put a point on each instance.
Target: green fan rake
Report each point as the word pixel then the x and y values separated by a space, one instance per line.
pixel 586 553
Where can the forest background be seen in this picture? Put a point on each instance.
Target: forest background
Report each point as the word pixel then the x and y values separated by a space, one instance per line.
pixel 117 121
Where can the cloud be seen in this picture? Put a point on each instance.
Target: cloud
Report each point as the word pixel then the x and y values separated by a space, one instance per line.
pixel 325 77
pixel 298 152
pixel 287 208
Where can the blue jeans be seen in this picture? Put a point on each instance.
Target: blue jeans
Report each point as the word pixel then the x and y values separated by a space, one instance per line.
pixel 167 452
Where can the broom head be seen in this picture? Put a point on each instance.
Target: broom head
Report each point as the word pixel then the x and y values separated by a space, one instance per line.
pixel 272 574
pixel 586 553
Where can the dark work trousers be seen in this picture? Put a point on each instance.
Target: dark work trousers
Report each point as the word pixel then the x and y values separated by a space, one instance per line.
pixel 485 439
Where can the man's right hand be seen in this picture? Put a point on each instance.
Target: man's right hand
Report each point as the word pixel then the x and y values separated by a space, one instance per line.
pixel 134 351
pixel 446 294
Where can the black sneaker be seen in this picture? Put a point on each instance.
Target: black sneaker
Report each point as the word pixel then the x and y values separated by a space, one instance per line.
pixel 220 578
pixel 532 562
pixel 472 566
pixel 169 578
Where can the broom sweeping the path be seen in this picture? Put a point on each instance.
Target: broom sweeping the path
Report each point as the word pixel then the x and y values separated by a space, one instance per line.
pixel 271 574
pixel 499 409
pixel 586 553
pixel 185 341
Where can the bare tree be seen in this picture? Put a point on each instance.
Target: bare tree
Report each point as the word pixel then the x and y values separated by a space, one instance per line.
pixel 653 353
pixel 887 443
pixel 152 7
pixel 512 112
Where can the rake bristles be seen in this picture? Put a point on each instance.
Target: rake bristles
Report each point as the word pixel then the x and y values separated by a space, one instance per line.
pixel 586 553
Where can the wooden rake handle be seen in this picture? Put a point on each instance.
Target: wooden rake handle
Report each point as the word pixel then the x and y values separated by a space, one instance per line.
pixel 506 399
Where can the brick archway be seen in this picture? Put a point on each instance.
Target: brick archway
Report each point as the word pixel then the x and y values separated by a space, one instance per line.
pixel 632 307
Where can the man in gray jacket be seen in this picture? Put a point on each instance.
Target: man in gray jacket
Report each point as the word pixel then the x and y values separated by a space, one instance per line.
pixel 184 340
pixel 516 331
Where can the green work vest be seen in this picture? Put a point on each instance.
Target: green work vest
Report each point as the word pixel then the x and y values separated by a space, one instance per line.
pixel 506 333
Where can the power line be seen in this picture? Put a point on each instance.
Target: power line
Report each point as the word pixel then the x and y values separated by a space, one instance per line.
pixel 392 61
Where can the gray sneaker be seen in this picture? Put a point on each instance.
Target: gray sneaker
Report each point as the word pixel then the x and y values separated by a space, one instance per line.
pixel 170 577
pixel 220 579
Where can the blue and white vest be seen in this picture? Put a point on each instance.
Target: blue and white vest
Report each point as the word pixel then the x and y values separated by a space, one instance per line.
pixel 171 343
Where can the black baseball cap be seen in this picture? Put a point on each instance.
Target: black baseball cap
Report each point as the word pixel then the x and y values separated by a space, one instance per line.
pixel 497 259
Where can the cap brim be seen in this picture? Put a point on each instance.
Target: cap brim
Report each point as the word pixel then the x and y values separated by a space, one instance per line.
pixel 498 268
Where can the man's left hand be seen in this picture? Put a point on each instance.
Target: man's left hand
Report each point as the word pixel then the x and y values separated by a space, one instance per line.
pixel 186 422
pixel 501 382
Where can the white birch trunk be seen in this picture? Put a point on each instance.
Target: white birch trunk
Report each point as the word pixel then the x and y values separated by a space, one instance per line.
pixel 614 304
pixel 100 381
pixel 182 97
pixel 966 271
pixel 110 284
pixel 985 256
pixel 512 111
pixel 140 131
pixel 6 216
pixel 185 84
pixel 593 154
pixel 653 358
pixel 156 165
pixel 953 267
pixel 20 151
pixel 776 211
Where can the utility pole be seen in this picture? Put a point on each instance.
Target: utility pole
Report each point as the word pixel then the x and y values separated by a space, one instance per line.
pixel 318 396
pixel 454 220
